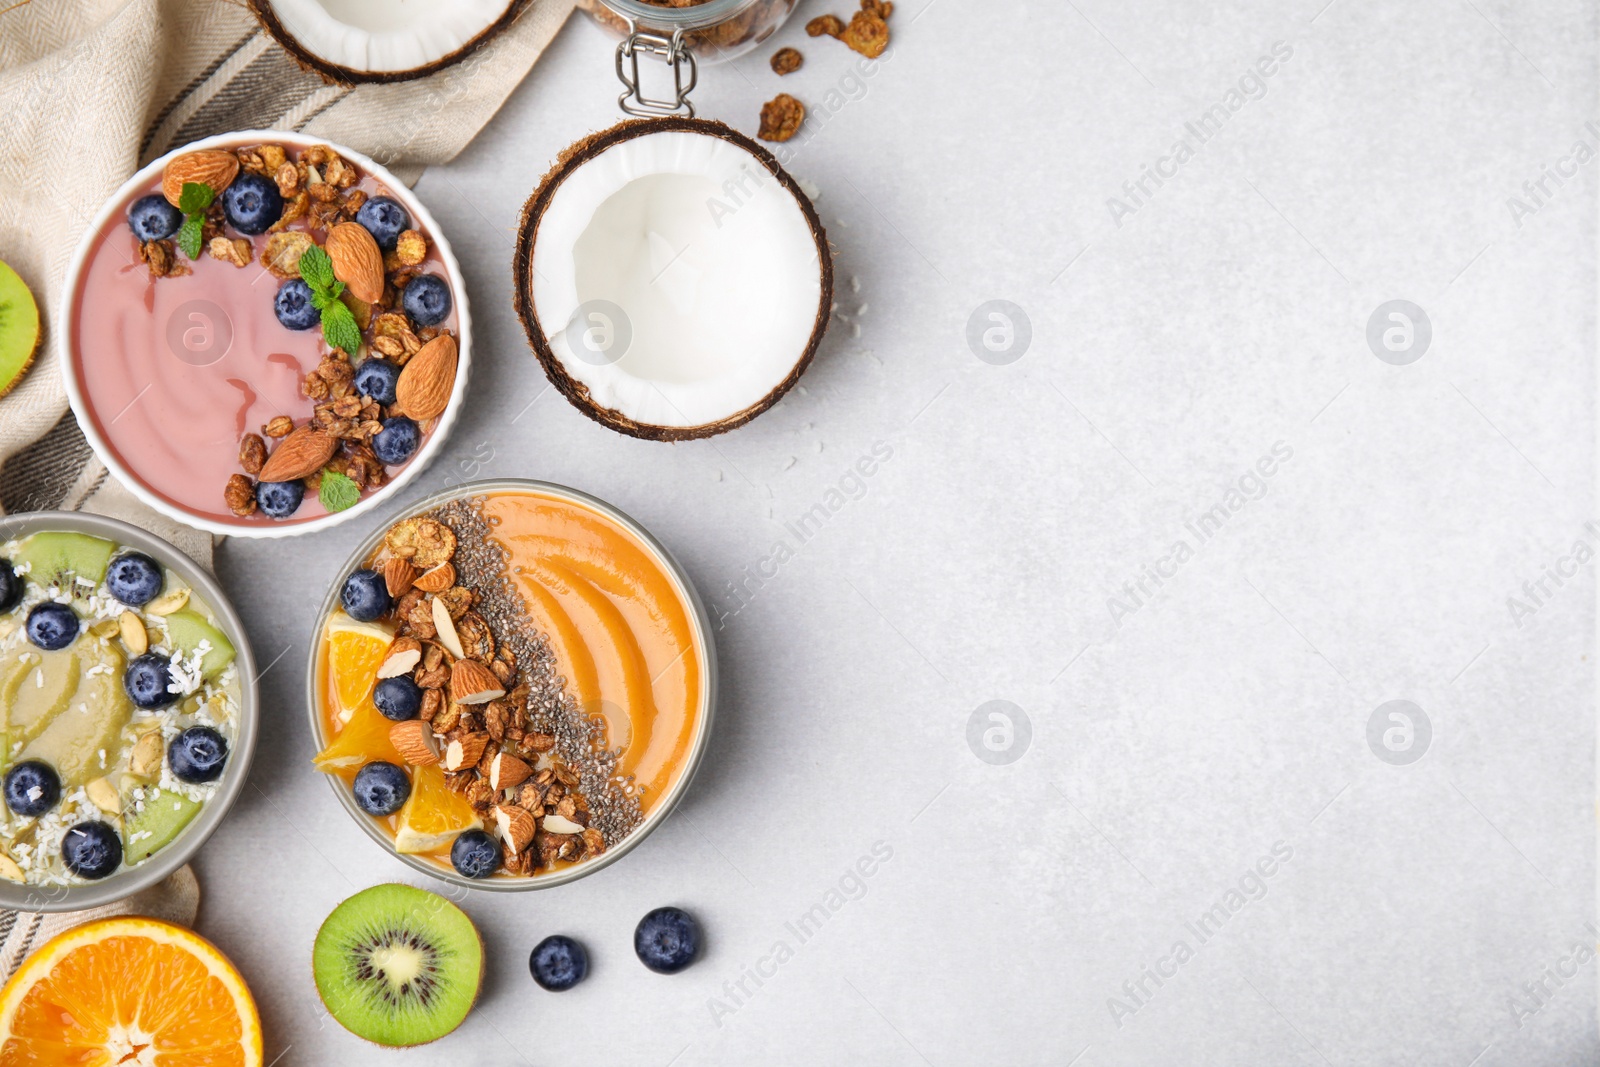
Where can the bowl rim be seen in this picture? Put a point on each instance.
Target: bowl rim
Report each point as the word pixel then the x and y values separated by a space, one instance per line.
pixel 83 413
pixel 700 619
pixel 242 749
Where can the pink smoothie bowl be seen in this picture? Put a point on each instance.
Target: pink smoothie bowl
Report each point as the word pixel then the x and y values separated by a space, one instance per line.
pixel 165 374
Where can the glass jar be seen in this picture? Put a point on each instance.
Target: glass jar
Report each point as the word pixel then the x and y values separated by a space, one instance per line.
pixel 714 30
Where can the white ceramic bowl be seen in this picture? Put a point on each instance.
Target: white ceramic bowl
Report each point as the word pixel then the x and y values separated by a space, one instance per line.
pixel 111 213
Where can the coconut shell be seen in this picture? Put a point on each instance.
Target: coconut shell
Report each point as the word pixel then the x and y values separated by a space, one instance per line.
pixel 334 74
pixel 522 275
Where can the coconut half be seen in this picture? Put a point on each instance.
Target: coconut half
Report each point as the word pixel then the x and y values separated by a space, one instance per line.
pixel 673 279
pixel 359 41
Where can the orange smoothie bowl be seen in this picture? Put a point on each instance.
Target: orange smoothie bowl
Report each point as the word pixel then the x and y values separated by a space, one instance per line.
pixel 512 685
pixel 209 356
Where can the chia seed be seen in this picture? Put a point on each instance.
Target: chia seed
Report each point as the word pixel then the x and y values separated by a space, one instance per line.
pixel 482 565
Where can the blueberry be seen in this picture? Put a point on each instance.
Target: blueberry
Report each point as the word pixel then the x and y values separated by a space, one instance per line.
pixel 52 626
pixel 558 963
pixel 10 586
pixel 365 597
pixel 197 755
pixel 252 203
pixel 148 681
pixel 397 441
pixel 91 850
pixel 385 219
pixel 381 788
pixel 279 500
pixel 398 698
pixel 426 300
pixel 667 940
pixel 475 854
pixel 293 305
pixel 32 787
pixel 151 218
pixel 377 378
pixel 134 578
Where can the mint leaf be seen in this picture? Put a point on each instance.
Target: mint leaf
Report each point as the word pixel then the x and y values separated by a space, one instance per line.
pixel 338 492
pixel 195 198
pixel 189 235
pixel 316 268
pixel 339 328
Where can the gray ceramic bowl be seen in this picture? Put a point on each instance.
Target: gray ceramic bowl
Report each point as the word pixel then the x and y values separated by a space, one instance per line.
pixel 697 747
pixel 127 882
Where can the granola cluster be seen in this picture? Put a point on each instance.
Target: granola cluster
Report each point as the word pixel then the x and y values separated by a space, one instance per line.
pixel 491 752
pixel 867 32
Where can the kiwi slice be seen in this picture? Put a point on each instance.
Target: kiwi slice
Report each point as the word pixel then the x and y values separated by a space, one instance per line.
pixel 187 629
pixel 398 965
pixel 19 329
pixel 52 554
pixel 150 830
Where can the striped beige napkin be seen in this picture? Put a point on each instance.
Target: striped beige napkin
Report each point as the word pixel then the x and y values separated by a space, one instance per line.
pixel 92 90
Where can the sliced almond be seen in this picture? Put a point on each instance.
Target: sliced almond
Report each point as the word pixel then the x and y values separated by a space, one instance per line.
pixel 465 751
pixel 473 683
pixel 555 824
pixel 9 869
pixel 402 658
pixel 167 603
pixel 414 740
pixel 134 634
pixel 516 827
pixel 507 772
pixel 103 795
pixel 437 580
pixel 399 576
pixel 447 629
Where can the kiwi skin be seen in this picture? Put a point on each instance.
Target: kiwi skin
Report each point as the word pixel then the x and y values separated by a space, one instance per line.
pixel 18 311
pixel 420 898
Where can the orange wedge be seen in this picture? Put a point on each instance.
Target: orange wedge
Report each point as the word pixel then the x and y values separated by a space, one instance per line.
pixel 355 652
pixel 129 990
pixel 361 740
pixel 433 815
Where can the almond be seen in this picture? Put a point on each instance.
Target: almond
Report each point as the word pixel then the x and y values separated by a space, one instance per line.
pixel 103 795
pixel 507 772
pixel 465 751
pixel 300 454
pixel 357 260
pixel 447 629
pixel 413 739
pixel 473 683
pixel 402 658
pixel 437 580
pixel 428 379
pixel 516 827
pixel 399 576
pixel 216 169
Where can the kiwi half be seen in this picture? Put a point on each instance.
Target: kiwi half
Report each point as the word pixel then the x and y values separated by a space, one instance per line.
pixel 19 328
pixel 398 965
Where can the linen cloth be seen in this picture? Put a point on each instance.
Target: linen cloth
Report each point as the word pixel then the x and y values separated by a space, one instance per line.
pixel 91 91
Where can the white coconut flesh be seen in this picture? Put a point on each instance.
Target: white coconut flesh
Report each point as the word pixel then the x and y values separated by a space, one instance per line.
pixel 385 36
pixel 709 259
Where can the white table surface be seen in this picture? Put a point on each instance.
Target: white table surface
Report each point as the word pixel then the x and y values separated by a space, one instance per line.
pixel 1172 746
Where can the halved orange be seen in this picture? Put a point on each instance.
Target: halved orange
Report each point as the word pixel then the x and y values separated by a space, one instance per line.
pixel 433 815
pixel 129 990
pixel 355 652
